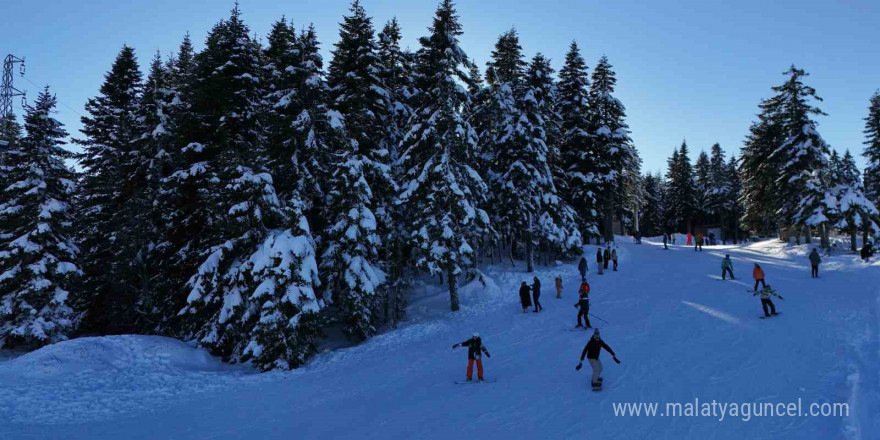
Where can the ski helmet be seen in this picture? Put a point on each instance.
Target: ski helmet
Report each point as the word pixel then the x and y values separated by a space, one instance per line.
pixel 476 335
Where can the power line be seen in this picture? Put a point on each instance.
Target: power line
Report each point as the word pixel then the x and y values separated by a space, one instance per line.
pixel 56 98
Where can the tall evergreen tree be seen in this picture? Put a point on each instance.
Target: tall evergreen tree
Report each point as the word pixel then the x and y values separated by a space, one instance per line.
pixel 250 296
pixel 441 191
pixel 652 209
pixel 108 201
pixel 872 150
pixel 758 169
pixel 702 187
pixel 38 256
pixel 853 210
pixel 680 192
pixel 582 184
pixel 618 161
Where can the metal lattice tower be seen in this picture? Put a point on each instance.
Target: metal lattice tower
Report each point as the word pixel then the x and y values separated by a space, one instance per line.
pixel 7 90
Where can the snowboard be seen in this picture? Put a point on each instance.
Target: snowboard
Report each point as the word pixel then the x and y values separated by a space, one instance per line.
pixel 771 316
pixel 464 382
pixel 599 386
pixel 577 329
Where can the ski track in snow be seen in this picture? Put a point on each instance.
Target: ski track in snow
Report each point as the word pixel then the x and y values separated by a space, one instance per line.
pixel 679 333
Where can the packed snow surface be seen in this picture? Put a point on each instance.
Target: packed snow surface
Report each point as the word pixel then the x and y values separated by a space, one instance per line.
pixel 680 332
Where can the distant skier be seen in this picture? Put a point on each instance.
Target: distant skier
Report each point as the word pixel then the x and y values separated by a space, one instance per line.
pixel 665 240
pixel 758 275
pixel 815 259
pixel 690 238
pixel 867 251
pixel 591 352
pixel 727 267
pixel 599 261
pixel 698 242
pixel 525 297
pixel 582 267
pixel 614 258
pixel 766 303
pixel 558 282
pixel 606 257
pixel 536 293
pixel 583 305
pixel 475 353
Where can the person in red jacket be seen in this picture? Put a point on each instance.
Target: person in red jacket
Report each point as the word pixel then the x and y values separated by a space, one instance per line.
pixel 689 239
pixel 475 353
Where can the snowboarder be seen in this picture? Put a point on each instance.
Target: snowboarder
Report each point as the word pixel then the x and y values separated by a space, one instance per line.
pixel 591 352
pixel 758 275
pixel 726 267
pixel 614 258
pixel 698 242
pixel 475 353
pixel 867 251
pixel 606 257
pixel 766 303
pixel 582 267
pixel 665 240
pixel 815 259
pixel 524 297
pixel 599 260
pixel 558 281
pixel 536 293
pixel 583 305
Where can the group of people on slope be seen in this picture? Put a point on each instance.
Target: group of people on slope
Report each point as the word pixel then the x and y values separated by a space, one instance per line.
pixel 766 291
pixel 603 258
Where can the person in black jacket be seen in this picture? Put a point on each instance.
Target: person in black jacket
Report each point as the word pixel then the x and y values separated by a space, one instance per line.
pixel 524 297
pixel 599 262
pixel 606 257
pixel 867 251
pixel 591 352
pixel 582 268
pixel 536 293
pixel 583 305
pixel 475 353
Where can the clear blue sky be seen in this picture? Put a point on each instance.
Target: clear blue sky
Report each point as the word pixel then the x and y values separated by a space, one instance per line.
pixel 686 69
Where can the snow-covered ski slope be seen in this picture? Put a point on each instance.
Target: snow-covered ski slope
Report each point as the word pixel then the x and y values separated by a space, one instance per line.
pixel 680 333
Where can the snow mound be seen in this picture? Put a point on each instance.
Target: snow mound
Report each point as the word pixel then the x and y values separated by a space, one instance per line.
pixel 105 377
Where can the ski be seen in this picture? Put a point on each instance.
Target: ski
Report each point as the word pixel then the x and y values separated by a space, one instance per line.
pixel 768 317
pixel 464 382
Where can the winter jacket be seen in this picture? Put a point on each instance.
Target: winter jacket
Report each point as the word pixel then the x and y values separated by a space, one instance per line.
pixel 583 303
pixel 598 256
pixel 524 297
pixel 614 255
pixel 607 254
pixel 594 347
pixel 585 288
pixel 867 251
pixel 726 263
pixel 758 273
pixel 767 292
pixel 558 283
pixel 699 239
pixel 475 348
pixel 536 288
pixel 582 266
pixel 815 259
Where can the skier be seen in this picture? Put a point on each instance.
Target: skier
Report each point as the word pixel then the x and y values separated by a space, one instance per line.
pixel 599 260
pixel 583 305
pixel 815 259
pixel 582 267
pixel 558 286
pixel 867 251
pixel 606 257
pixel 475 353
pixel 689 239
pixel 758 275
pixel 591 352
pixel 536 293
pixel 524 297
pixel 766 303
pixel 726 267
pixel 665 240
pixel 698 243
pixel 614 258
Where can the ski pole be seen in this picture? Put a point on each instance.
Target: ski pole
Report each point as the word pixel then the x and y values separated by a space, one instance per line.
pixel 600 319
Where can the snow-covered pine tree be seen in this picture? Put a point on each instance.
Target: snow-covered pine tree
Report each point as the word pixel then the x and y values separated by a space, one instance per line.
pixel 651 222
pixel 10 135
pixel 758 169
pixel 358 92
pixel 350 262
pixel 396 73
pixel 854 210
pixel 680 190
pixel 702 187
pixel 251 296
pixel 442 193
pixel 107 209
pixel 38 256
pixel 802 156
pixel 733 207
pixel 618 162
pixel 872 150
pixel 582 183
pixel 281 59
